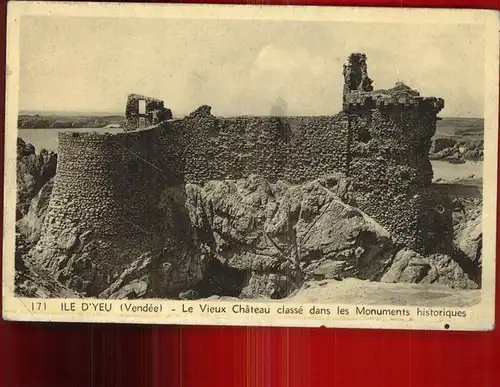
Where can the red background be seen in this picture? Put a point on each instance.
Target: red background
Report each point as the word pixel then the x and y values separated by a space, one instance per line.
pixel 74 355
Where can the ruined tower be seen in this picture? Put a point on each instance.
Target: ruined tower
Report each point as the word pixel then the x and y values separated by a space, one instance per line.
pixel 142 112
pixel 390 137
pixel 356 75
pixel 102 207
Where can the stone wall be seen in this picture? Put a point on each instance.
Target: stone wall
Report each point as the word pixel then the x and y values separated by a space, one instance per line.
pixel 203 147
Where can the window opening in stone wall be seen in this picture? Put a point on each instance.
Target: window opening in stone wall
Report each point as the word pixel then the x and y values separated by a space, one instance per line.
pixel 142 106
pixel 364 135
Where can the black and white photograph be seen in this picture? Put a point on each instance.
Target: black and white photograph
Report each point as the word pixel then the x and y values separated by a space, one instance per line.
pixel 267 161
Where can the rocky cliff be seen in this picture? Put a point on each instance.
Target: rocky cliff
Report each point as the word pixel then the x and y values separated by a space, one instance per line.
pixel 33 171
pixel 457 151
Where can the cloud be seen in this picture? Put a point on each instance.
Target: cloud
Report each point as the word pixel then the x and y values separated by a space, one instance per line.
pixel 239 67
pixel 302 80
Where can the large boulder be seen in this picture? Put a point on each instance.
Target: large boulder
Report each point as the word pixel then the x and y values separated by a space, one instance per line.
pixel 407 267
pixel 27 171
pixel 410 267
pixel 249 238
pixel 278 235
pixel 449 272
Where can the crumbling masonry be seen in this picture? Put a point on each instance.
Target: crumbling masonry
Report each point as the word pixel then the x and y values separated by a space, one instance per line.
pixel 143 111
pixel 108 186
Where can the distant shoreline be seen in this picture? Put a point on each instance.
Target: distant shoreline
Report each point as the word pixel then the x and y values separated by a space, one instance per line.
pixel 64 122
pixel 447 126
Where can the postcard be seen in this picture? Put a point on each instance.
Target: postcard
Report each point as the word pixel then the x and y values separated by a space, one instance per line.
pixel 251 165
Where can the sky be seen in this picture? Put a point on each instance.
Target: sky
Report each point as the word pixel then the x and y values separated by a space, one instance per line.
pixel 240 67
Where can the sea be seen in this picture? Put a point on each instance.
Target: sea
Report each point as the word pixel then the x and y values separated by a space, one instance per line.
pixel 47 138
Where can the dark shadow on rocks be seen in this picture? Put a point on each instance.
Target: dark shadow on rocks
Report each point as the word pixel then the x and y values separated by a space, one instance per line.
pixel 439 226
pixel 377 256
pixel 220 280
pixel 473 269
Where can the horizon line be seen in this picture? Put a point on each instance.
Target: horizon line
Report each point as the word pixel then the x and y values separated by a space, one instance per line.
pixel 115 113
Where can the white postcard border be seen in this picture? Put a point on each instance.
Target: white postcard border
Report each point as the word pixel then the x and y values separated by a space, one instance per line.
pixel 479 317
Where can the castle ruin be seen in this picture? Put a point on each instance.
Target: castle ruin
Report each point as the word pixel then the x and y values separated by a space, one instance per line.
pixel 142 112
pixel 108 186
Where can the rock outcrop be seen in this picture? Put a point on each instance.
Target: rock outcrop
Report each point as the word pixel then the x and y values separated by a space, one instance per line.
pixel 263 239
pixel 30 225
pixel 134 282
pixel 33 171
pixel 468 234
pixel 250 238
pixel 411 267
pixel 468 228
pixel 31 281
pixel 280 235
pixel 457 151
